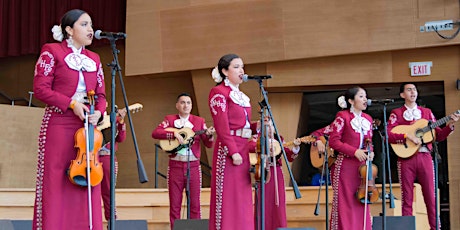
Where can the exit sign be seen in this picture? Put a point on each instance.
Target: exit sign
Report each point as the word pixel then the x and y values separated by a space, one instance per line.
pixel 420 68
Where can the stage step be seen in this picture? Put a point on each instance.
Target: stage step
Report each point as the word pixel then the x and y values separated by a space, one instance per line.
pixel 152 205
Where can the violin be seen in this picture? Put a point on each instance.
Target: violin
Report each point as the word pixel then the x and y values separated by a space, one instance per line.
pixel 86 161
pixel 367 191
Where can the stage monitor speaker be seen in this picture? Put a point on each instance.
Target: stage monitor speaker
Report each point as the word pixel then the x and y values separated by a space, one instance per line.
pixel 394 222
pixel 131 224
pixel 15 224
pixel 27 224
pixel 191 224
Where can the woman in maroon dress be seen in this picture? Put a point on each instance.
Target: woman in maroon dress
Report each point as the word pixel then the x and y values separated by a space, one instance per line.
pixel 231 192
pixel 275 190
pixel 64 73
pixel 350 131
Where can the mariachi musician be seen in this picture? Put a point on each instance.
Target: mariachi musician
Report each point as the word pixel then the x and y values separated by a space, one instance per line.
pixel 170 129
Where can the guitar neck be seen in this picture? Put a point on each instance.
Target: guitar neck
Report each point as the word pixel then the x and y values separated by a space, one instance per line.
pixel 306 139
pixel 436 124
pixel 199 132
pixel 287 144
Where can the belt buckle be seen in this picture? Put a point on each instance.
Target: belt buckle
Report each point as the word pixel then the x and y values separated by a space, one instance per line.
pixel 246 133
pixel 238 132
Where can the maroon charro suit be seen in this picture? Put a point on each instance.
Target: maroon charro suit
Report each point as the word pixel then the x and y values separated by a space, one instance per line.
pixel 58 200
pixel 177 169
pixel 231 190
pixel 419 166
pixel 349 132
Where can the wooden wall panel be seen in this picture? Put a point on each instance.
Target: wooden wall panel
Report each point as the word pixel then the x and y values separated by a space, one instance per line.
pixel 351 69
pixel 286 114
pixel 189 35
pixel 316 28
pixel 145 48
pixel 16 76
pixel 192 37
pixel 19 141
pixel 454 196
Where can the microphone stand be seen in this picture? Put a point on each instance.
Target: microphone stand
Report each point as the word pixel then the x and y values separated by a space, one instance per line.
pixel 325 171
pixel 187 187
pixel 115 66
pixel 260 210
pixel 435 154
pixel 386 158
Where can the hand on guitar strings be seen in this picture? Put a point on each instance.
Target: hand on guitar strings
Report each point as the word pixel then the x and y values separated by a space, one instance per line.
pixel 413 138
pixel 179 137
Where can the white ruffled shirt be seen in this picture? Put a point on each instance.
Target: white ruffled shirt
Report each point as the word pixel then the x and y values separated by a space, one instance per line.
pixel 412 114
pixel 239 98
pixel 80 62
pixel 361 125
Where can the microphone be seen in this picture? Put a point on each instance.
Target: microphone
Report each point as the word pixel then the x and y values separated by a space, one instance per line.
pixel 100 35
pixel 379 101
pixel 255 77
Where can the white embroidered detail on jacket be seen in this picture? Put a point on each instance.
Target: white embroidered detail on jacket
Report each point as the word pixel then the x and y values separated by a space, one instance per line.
pixel 339 123
pixel 42 63
pixel 393 118
pixel 80 62
pixel 41 168
pixel 218 101
pixel 100 76
pixel 222 153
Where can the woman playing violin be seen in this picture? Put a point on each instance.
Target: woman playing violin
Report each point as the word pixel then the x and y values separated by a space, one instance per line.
pixel 64 73
pixel 350 130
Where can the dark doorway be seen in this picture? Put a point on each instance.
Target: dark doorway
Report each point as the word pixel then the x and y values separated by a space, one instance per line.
pixel 320 106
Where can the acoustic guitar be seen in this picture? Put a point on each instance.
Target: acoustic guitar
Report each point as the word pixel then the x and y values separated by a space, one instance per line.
pixel 276 147
pixel 317 158
pixel 420 129
pixel 172 146
pixel 105 123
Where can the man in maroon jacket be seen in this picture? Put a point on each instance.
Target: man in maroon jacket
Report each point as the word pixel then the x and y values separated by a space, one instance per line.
pixel 177 168
pixel 420 165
